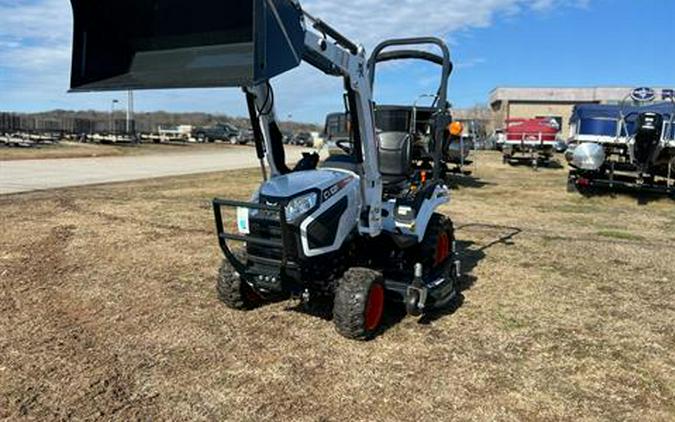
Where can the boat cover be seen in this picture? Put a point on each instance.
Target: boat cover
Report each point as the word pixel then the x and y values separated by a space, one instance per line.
pixel 602 119
pixel 599 111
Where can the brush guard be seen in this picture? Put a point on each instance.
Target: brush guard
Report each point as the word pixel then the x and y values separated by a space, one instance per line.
pixel 283 244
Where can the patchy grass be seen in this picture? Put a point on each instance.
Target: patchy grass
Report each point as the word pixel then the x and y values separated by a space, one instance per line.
pixel 618 234
pixel 108 311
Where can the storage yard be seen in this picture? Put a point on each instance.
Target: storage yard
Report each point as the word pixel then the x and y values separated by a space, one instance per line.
pixel 108 310
pixel 293 210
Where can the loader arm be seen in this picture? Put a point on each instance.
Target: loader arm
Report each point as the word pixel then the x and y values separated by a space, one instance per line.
pixel 354 69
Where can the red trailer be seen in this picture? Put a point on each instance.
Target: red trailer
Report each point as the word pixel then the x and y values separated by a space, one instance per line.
pixel 530 140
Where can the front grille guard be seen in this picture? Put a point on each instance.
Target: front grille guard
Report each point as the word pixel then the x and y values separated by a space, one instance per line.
pixel 224 237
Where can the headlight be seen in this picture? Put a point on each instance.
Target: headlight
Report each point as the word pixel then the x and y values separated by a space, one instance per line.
pixel 300 206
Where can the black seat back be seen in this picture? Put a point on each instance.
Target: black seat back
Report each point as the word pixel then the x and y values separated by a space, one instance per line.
pixel 395 156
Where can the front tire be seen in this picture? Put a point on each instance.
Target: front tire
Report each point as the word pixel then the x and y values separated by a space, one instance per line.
pixel 359 304
pixel 234 292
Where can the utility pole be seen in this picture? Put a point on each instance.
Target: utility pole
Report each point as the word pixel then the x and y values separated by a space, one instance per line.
pixel 130 111
pixel 112 116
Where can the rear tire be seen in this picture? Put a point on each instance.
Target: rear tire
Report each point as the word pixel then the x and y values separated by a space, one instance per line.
pixel 359 304
pixel 234 292
pixel 437 243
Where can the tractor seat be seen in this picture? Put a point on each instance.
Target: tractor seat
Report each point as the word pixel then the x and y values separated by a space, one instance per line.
pixel 342 162
pixel 395 152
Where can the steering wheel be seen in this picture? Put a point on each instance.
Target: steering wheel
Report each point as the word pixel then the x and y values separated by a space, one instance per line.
pixel 345 145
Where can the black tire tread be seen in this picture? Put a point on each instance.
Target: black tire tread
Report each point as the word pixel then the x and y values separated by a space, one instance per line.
pixel 350 303
pixel 229 288
pixel 438 224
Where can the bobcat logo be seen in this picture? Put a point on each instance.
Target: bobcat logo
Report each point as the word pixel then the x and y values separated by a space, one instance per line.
pixel 643 94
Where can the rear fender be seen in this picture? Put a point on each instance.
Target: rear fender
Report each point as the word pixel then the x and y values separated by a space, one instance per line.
pixel 430 205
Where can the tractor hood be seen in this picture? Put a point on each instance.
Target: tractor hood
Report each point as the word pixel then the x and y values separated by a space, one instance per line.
pixel 325 182
pixel 156 44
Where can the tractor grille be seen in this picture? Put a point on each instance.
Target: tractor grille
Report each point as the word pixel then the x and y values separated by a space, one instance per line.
pixel 266 229
pixel 266 225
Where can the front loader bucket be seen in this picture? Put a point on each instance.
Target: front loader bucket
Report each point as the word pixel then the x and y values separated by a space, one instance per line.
pixel 154 44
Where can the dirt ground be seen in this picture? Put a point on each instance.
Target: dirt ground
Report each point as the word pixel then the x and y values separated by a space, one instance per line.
pixel 108 311
pixel 79 150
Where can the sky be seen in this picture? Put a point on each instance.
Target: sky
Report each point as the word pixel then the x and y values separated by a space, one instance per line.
pixel 493 43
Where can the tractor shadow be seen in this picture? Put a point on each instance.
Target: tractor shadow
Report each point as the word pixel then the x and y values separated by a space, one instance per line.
pixel 643 198
pixel 471 254
pixel 456 182
pixel 394 312
pixel 320 307
pixel 554 164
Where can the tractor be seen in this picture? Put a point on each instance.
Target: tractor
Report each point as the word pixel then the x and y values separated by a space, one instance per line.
pixel 358 228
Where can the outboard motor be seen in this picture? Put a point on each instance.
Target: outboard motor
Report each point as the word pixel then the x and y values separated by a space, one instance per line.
pixel 647 139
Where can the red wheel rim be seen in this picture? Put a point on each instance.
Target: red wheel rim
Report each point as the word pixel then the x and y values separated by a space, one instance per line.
pixel 442 248
pixel 249 294
pixel 374 307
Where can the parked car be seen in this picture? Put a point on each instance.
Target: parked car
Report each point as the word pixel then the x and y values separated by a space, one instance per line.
pixel 222 131
pixel 304 139
pixel 246 136
pixel 287 137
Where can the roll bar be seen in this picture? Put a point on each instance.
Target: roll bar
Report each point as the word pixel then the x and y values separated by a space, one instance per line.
pixel 411 54
pixel 378 56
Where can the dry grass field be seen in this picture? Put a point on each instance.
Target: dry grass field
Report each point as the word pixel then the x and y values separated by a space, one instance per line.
pixel 108 311
pixel 79 150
